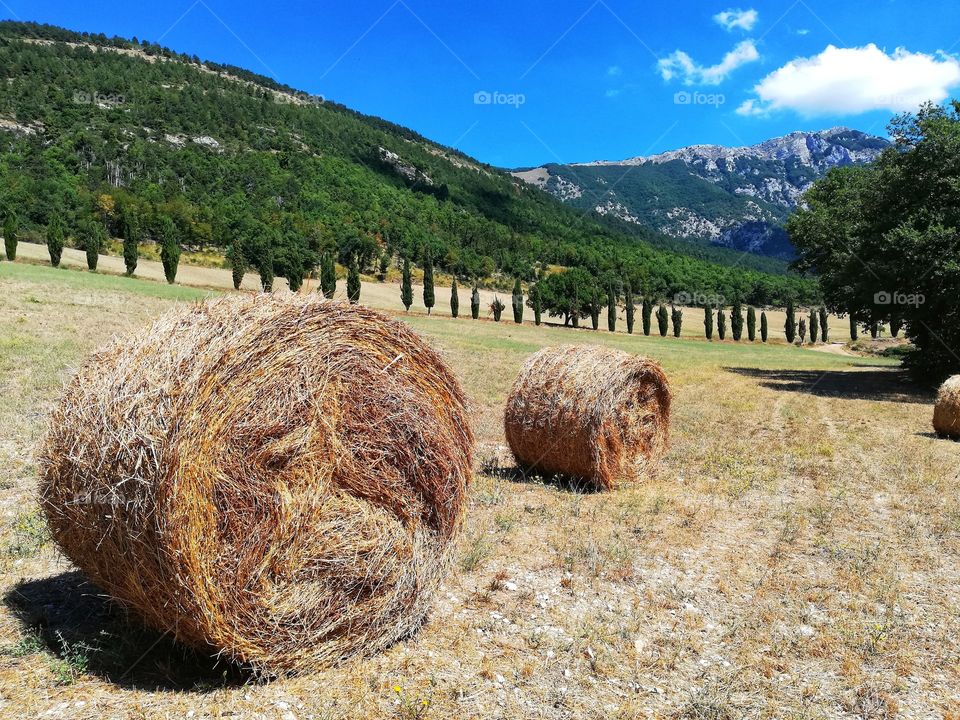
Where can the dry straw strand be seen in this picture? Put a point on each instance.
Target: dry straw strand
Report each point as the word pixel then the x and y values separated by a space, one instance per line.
pixel 277 479
pixel 591 413
pixel 946 413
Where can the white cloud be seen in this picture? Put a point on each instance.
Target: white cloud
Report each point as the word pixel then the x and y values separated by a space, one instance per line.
pixel 803 31
pixel 849 81
pixel 614 71
pixel 743 19
pixel 680 65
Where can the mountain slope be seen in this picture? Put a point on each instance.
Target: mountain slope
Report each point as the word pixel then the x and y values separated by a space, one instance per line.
pixel 132 135
pixel 733 197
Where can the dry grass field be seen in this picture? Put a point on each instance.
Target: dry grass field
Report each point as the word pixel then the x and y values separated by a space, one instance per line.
pixel 797 557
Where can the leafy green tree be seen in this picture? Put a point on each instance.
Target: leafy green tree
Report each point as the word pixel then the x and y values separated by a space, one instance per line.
pixel 814 326
pixel 676 316
pixel 646 313
pixel 10 235
pixel 406 286
pixel 736 321
pixel 169 249
pixel 131 240
pixel 790 326
pixel 353 281
pixel 328 275
pixel 708 322
pixel 663 320
pixel 721 324
pixel 454 299
pixel 824 325
pixel 93 239
pixel 429 297
pixel 497 307
pixel 893 226
pixel 630 308
pixel 764 327
pixel 238 264
pixel 751 323
pixel 562 293
pixel 802 330
pixel 475 303
pixel 55 239
pixel 517 302
pixel 611 308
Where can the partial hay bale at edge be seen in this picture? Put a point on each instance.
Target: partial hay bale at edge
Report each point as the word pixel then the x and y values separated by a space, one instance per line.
pixel 946 413
pixel 276 479
pixel 590 413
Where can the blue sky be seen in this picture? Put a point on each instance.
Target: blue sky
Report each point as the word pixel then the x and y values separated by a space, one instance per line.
pixel 524 83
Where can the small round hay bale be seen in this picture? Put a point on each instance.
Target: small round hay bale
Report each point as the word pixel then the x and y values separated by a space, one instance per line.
pixel 277 479
pixel 589 413
pixel 946 413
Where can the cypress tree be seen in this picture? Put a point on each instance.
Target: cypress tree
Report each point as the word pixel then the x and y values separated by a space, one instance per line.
pixel 708 321
pixel 295 274
pixel 328 276
pixel 736 321
pixel 497 307
pixel 676 316
pixel 631 310
pixel 55 240
pixel 170 251
pixel 663 320
pixel 429 298
pixel 517 302
pixel 131 241
pixel 383 266
pixel 764 327
pixel 814 326
pixel 353 281
pixel 265 265
pixel 896 325
pixel 790 326
pixel 721 324
pixel 10 236
pixel 751 323
pixel 406 286
pixel 454 299
pixel 475 303
pixel 595 308
pixel 537 303
pixel 874 329
pixel 824 325
pixel 646 311
pixel 238 264
pixel 611 308
pixel 802 330
pixel 92 242
pixel 854 332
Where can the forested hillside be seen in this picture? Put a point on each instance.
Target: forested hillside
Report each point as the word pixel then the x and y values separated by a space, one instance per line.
pixel 143 141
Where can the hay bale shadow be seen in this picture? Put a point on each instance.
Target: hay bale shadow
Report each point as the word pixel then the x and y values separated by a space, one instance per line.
pixel 77 624
pixel 517 474
pixel 889 385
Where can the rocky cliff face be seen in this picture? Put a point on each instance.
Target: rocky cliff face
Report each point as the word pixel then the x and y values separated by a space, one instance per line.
pixel 738 197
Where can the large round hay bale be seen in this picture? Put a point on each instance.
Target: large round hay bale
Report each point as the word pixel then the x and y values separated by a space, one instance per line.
pixel 946 413
pixel 275 479
pixel 589 413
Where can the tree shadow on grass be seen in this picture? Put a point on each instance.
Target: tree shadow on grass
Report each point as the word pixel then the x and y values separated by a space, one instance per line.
pixel 517 474
pixel 884 385
pixel 87 633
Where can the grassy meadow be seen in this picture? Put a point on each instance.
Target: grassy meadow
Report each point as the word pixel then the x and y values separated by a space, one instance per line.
pixel 796 557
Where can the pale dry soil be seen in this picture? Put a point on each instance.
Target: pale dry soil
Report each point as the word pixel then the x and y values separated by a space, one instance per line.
pixel 796 557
